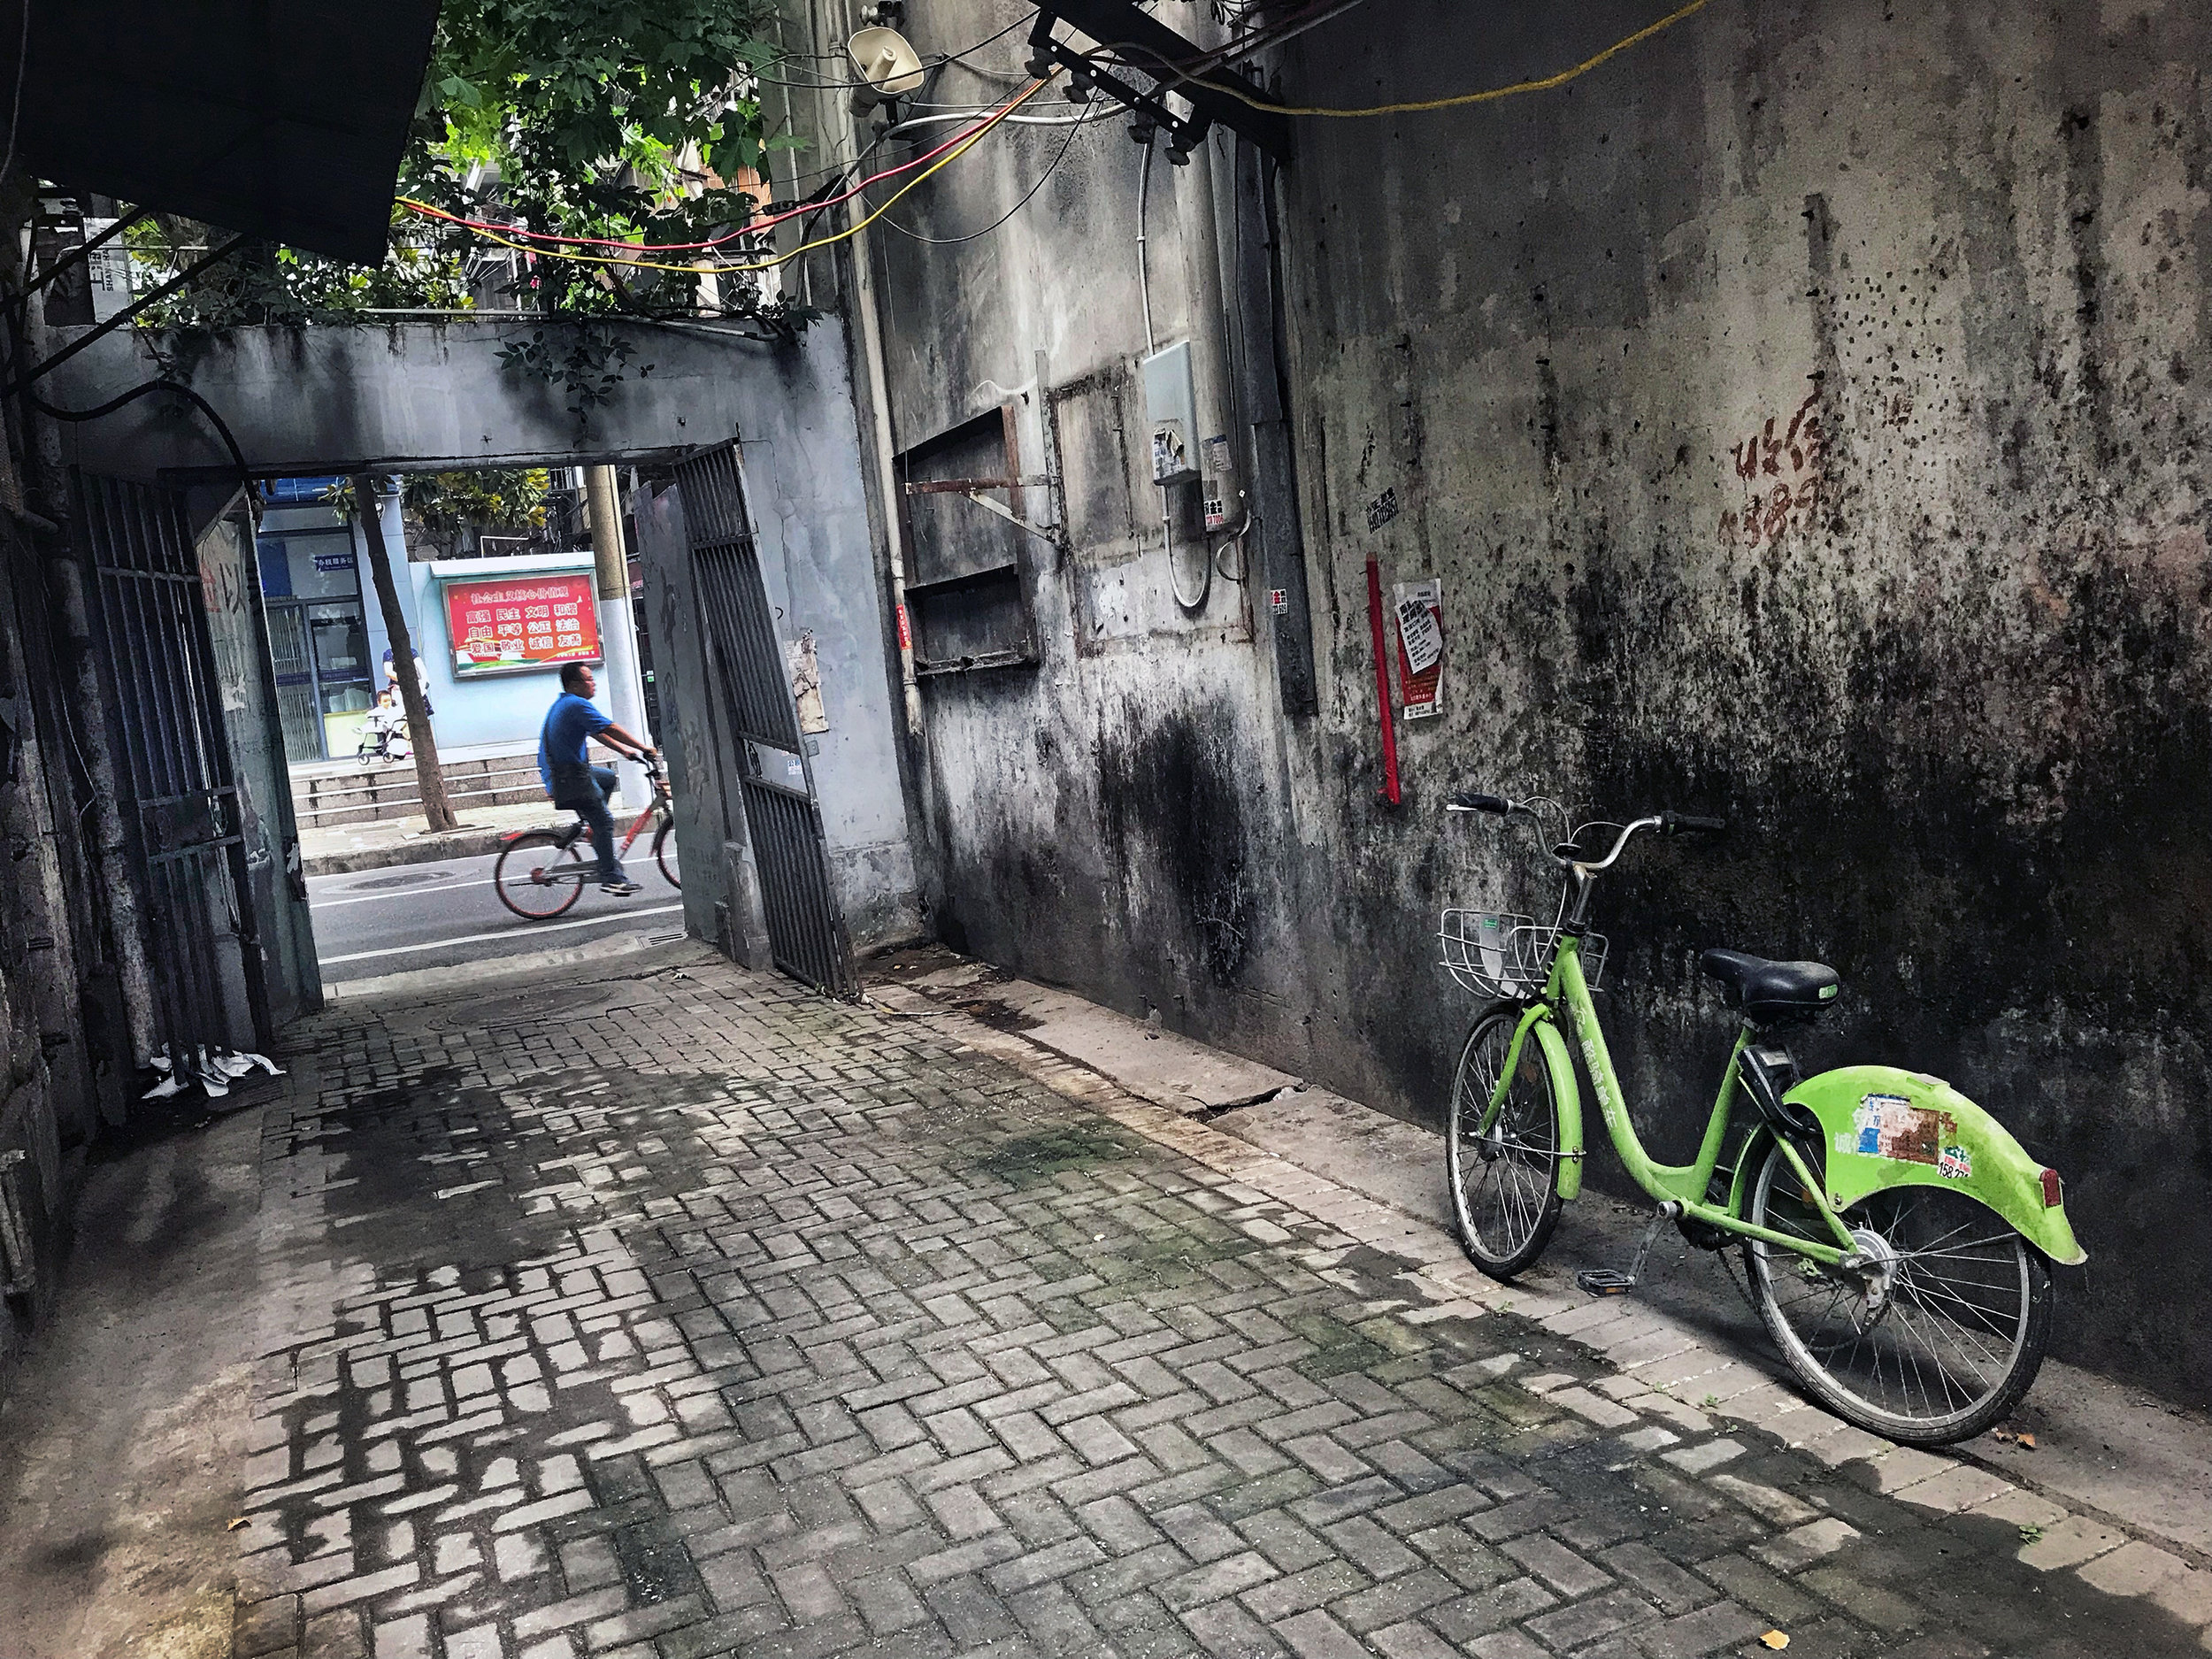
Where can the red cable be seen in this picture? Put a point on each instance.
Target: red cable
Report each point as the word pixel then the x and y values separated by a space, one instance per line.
pixel 751 228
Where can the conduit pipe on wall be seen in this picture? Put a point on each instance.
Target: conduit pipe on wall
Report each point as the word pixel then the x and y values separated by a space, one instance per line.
pixel 1209 302
pixel 1151 344
pixel 1382 680
pixel 886 474
pixel 617 624
pixel 866 303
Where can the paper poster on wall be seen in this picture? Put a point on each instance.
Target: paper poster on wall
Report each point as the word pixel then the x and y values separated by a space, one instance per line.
pixel 517 624
pixel 1420 647
pixel 806 683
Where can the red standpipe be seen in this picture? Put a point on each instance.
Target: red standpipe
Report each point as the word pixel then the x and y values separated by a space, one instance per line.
pixel 1382 680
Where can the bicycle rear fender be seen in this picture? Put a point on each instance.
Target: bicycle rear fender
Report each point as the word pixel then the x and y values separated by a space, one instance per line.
pixel 1884 1127
pixel 1568 1093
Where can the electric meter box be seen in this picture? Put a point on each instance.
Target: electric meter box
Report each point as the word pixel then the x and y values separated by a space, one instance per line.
pixel 1221 482
pixel 1170 408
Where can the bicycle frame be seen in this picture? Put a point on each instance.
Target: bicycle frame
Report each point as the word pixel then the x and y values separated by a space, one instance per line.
pixel 577 829
pixel 1686 1185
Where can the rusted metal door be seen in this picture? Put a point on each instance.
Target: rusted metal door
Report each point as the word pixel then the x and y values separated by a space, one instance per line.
pixel 181 814
pixel 806 930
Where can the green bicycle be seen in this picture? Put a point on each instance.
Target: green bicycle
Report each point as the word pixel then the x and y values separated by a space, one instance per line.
pixel 1899 1241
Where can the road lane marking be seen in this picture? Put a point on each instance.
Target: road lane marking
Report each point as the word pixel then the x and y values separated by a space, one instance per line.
pixel 519 931
pixel 408 892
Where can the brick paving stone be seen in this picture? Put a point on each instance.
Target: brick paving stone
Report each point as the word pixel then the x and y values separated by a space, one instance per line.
pixel 1803 1545
pixel 784 1329
pixel 1722 1624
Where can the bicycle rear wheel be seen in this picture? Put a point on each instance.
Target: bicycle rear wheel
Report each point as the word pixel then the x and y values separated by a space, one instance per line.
pixel 538 875
pixel 1956 1334
pixel 664 853
pixel 1505 1179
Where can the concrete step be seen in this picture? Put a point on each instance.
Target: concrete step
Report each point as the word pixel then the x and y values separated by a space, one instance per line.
pixel 392 790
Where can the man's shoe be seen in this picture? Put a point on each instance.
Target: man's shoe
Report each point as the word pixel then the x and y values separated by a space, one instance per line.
pixel 620 889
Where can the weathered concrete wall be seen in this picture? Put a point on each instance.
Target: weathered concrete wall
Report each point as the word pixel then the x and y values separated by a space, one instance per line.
pixel 418 395
pixel 403 396
pixel 1940 653
pixel 49 1071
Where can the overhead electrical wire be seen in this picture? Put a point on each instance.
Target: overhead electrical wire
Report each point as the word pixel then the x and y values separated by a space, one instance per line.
pixel 752 227
pixel 1275 33
pixel 951 151
pixel 969 113
pixel 1052 167
pixel 827 85
pixel 549 242
pixel 557 246
pixel 1181 76
pixel 958 145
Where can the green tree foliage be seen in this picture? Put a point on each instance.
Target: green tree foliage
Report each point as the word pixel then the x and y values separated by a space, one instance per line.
pixel 595 118
pixel 444 508
pixel 447 506
pixel 583 118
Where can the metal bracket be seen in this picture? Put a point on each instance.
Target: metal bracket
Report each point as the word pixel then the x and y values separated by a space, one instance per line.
pixel 973 488
pixel 1159 51
pixel 1013 518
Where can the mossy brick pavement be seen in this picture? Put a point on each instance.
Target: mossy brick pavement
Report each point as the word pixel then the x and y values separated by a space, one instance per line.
pixel 684 1313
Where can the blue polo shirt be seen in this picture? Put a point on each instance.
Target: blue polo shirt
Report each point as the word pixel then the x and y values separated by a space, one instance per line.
pixel 569 725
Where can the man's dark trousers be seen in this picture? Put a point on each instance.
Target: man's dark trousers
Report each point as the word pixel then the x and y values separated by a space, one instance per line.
pixel 593 810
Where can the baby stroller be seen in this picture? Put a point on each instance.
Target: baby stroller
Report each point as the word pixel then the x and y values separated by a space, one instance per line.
pixel 383 737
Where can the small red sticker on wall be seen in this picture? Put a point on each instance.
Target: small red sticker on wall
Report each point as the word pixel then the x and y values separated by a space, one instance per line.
pixel 906 639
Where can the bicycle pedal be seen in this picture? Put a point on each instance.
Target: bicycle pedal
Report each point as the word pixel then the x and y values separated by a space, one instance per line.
pixel 1605 1281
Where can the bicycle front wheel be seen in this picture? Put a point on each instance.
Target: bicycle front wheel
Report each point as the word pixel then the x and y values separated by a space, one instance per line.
pixel 1938 1343
pixel 538 875
pixel 664 853
pixel 1505 1178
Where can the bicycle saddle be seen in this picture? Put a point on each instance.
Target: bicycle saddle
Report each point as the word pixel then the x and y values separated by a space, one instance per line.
pixel 1771 990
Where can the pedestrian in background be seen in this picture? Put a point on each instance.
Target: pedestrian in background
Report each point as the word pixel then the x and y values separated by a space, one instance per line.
pixel 422 680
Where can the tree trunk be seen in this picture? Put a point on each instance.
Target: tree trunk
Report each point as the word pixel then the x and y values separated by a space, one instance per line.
pixel 434 808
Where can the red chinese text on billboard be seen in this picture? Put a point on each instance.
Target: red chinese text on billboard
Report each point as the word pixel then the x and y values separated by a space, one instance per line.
pixel 522 622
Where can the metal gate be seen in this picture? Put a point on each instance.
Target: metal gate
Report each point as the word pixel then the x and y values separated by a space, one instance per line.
pixel 806 933
pixel 297 703
pixel 165 720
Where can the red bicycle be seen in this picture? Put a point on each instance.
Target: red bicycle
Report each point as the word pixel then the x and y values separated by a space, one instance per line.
pixel 541 872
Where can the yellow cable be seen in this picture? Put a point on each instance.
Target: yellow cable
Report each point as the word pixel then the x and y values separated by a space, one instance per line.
pixel 1518 87
pixel 949 157
pixel 1458 101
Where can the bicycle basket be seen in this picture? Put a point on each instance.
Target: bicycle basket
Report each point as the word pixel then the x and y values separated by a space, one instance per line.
pixel 1495 953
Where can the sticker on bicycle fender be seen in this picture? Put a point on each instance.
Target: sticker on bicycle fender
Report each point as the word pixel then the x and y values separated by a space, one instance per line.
pixel 1891 1126
pixel 1956 1165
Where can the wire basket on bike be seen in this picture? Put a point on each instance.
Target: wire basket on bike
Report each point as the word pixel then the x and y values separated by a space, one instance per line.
pixel 1495 953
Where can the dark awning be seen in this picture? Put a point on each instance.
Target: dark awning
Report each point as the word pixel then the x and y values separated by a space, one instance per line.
pixel 281 118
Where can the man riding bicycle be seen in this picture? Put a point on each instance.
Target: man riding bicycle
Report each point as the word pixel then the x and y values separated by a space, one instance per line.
pixel 574 783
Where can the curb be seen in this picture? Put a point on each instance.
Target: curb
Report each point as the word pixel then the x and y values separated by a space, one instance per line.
pixel 524 966
pixel 424 849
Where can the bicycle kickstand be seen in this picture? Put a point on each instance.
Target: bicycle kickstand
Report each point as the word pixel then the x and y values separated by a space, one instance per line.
pixel 1611 1282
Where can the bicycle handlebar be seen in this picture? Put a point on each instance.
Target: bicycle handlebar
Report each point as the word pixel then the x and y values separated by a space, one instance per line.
pixel 1667 823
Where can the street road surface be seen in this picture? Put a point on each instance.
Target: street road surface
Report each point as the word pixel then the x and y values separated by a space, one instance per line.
pixel 375 922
